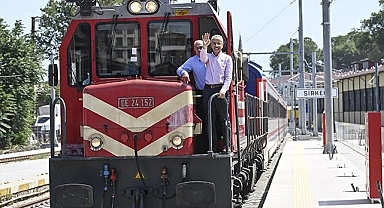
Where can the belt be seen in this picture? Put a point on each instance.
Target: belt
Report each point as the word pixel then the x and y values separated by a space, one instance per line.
pixel 213 85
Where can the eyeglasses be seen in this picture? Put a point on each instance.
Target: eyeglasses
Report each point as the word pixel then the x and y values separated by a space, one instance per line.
pixel 199 47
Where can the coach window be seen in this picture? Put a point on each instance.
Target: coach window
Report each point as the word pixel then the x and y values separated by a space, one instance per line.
pixel 79 56
pixel 169 46
pixel 117 49
pixel 357 100
pixel 363 99
pixel 351 100
pixel 346 101
pixel 370 99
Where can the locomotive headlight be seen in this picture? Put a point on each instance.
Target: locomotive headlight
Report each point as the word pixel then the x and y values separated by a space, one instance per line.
pixel 151 6
pixel 143 7
pixel 134 7
pixel 96 142
pixel 177 140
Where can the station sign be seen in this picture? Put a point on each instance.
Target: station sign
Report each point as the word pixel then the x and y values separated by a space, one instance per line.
pixel 315 93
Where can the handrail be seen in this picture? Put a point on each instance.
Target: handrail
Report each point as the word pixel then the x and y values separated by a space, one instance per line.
pixel 63 124
pixel 210 152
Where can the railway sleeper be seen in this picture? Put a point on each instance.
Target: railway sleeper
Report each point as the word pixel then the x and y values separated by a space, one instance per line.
pixel 12 198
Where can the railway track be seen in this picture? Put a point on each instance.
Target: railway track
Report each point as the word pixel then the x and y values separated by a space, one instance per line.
pixel 35 202
pixel 36 197
pixel 27 155
pixel 23 157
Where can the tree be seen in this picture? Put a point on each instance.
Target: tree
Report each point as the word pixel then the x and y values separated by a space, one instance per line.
pixel 309 47
pixel 7 111
pixel 20 69
pixel 370 37
pixel 344 51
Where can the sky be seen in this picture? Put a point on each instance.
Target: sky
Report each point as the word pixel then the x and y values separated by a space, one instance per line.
pixel 264 25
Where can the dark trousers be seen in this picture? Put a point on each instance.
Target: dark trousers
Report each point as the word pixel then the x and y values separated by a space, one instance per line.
pixel 219 113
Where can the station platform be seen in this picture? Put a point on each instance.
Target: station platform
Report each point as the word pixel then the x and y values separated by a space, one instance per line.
pixel 7 190
pixel 307 178
pixel 27 182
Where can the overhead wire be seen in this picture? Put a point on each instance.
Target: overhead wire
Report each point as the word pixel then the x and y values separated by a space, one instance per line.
pixel 293 34
pixel 267 57
pixel 269 22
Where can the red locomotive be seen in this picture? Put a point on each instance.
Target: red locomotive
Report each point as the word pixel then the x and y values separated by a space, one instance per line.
pixel 130 129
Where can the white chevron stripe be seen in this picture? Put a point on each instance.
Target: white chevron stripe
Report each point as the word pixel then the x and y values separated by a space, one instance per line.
pixel 241 120
pixel 110 145
pixel 241 104
pixel 156 147
pixel 118 149
pixel 144 121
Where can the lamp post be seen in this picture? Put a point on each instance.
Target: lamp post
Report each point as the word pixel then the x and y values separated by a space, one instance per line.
pixel 315 133
pixel 302 119
pixel 327 76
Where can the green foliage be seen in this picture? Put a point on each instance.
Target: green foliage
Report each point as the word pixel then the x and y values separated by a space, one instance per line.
pixel 381 3
pixel 20 70
pixel 309 47
pixel 362 43
pixel 371 37
pixel 54 22
pixel 110 2
pixel 344 51
pixel 7 111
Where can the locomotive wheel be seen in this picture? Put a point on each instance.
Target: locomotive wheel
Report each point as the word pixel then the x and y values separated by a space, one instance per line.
pixel 237 185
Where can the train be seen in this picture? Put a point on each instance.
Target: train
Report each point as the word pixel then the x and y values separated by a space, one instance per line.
pixel 129 125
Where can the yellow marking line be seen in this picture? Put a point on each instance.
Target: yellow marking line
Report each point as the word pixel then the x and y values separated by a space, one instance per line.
pixel 302 192
pixel 18 186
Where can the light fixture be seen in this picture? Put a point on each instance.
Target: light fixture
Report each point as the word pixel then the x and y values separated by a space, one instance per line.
pixel 134 7
pixel 96 142
pixel 151 6
pixel 177 140
pixel 142 7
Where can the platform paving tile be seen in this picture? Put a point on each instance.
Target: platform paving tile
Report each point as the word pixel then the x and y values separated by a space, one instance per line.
pixel 305 177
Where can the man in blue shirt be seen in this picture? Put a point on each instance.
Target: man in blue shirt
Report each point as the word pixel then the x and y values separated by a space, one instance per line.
pixel 194 65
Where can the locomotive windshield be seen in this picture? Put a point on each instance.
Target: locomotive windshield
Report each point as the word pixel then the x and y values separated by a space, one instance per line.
pixel 169 45
pixel 117 49
pixel 79 56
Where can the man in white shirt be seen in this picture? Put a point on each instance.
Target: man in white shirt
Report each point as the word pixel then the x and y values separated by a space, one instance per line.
pixel 217 80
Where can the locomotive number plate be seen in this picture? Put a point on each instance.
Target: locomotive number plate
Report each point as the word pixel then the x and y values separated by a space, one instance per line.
pixel 136 102
pixel 181 12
